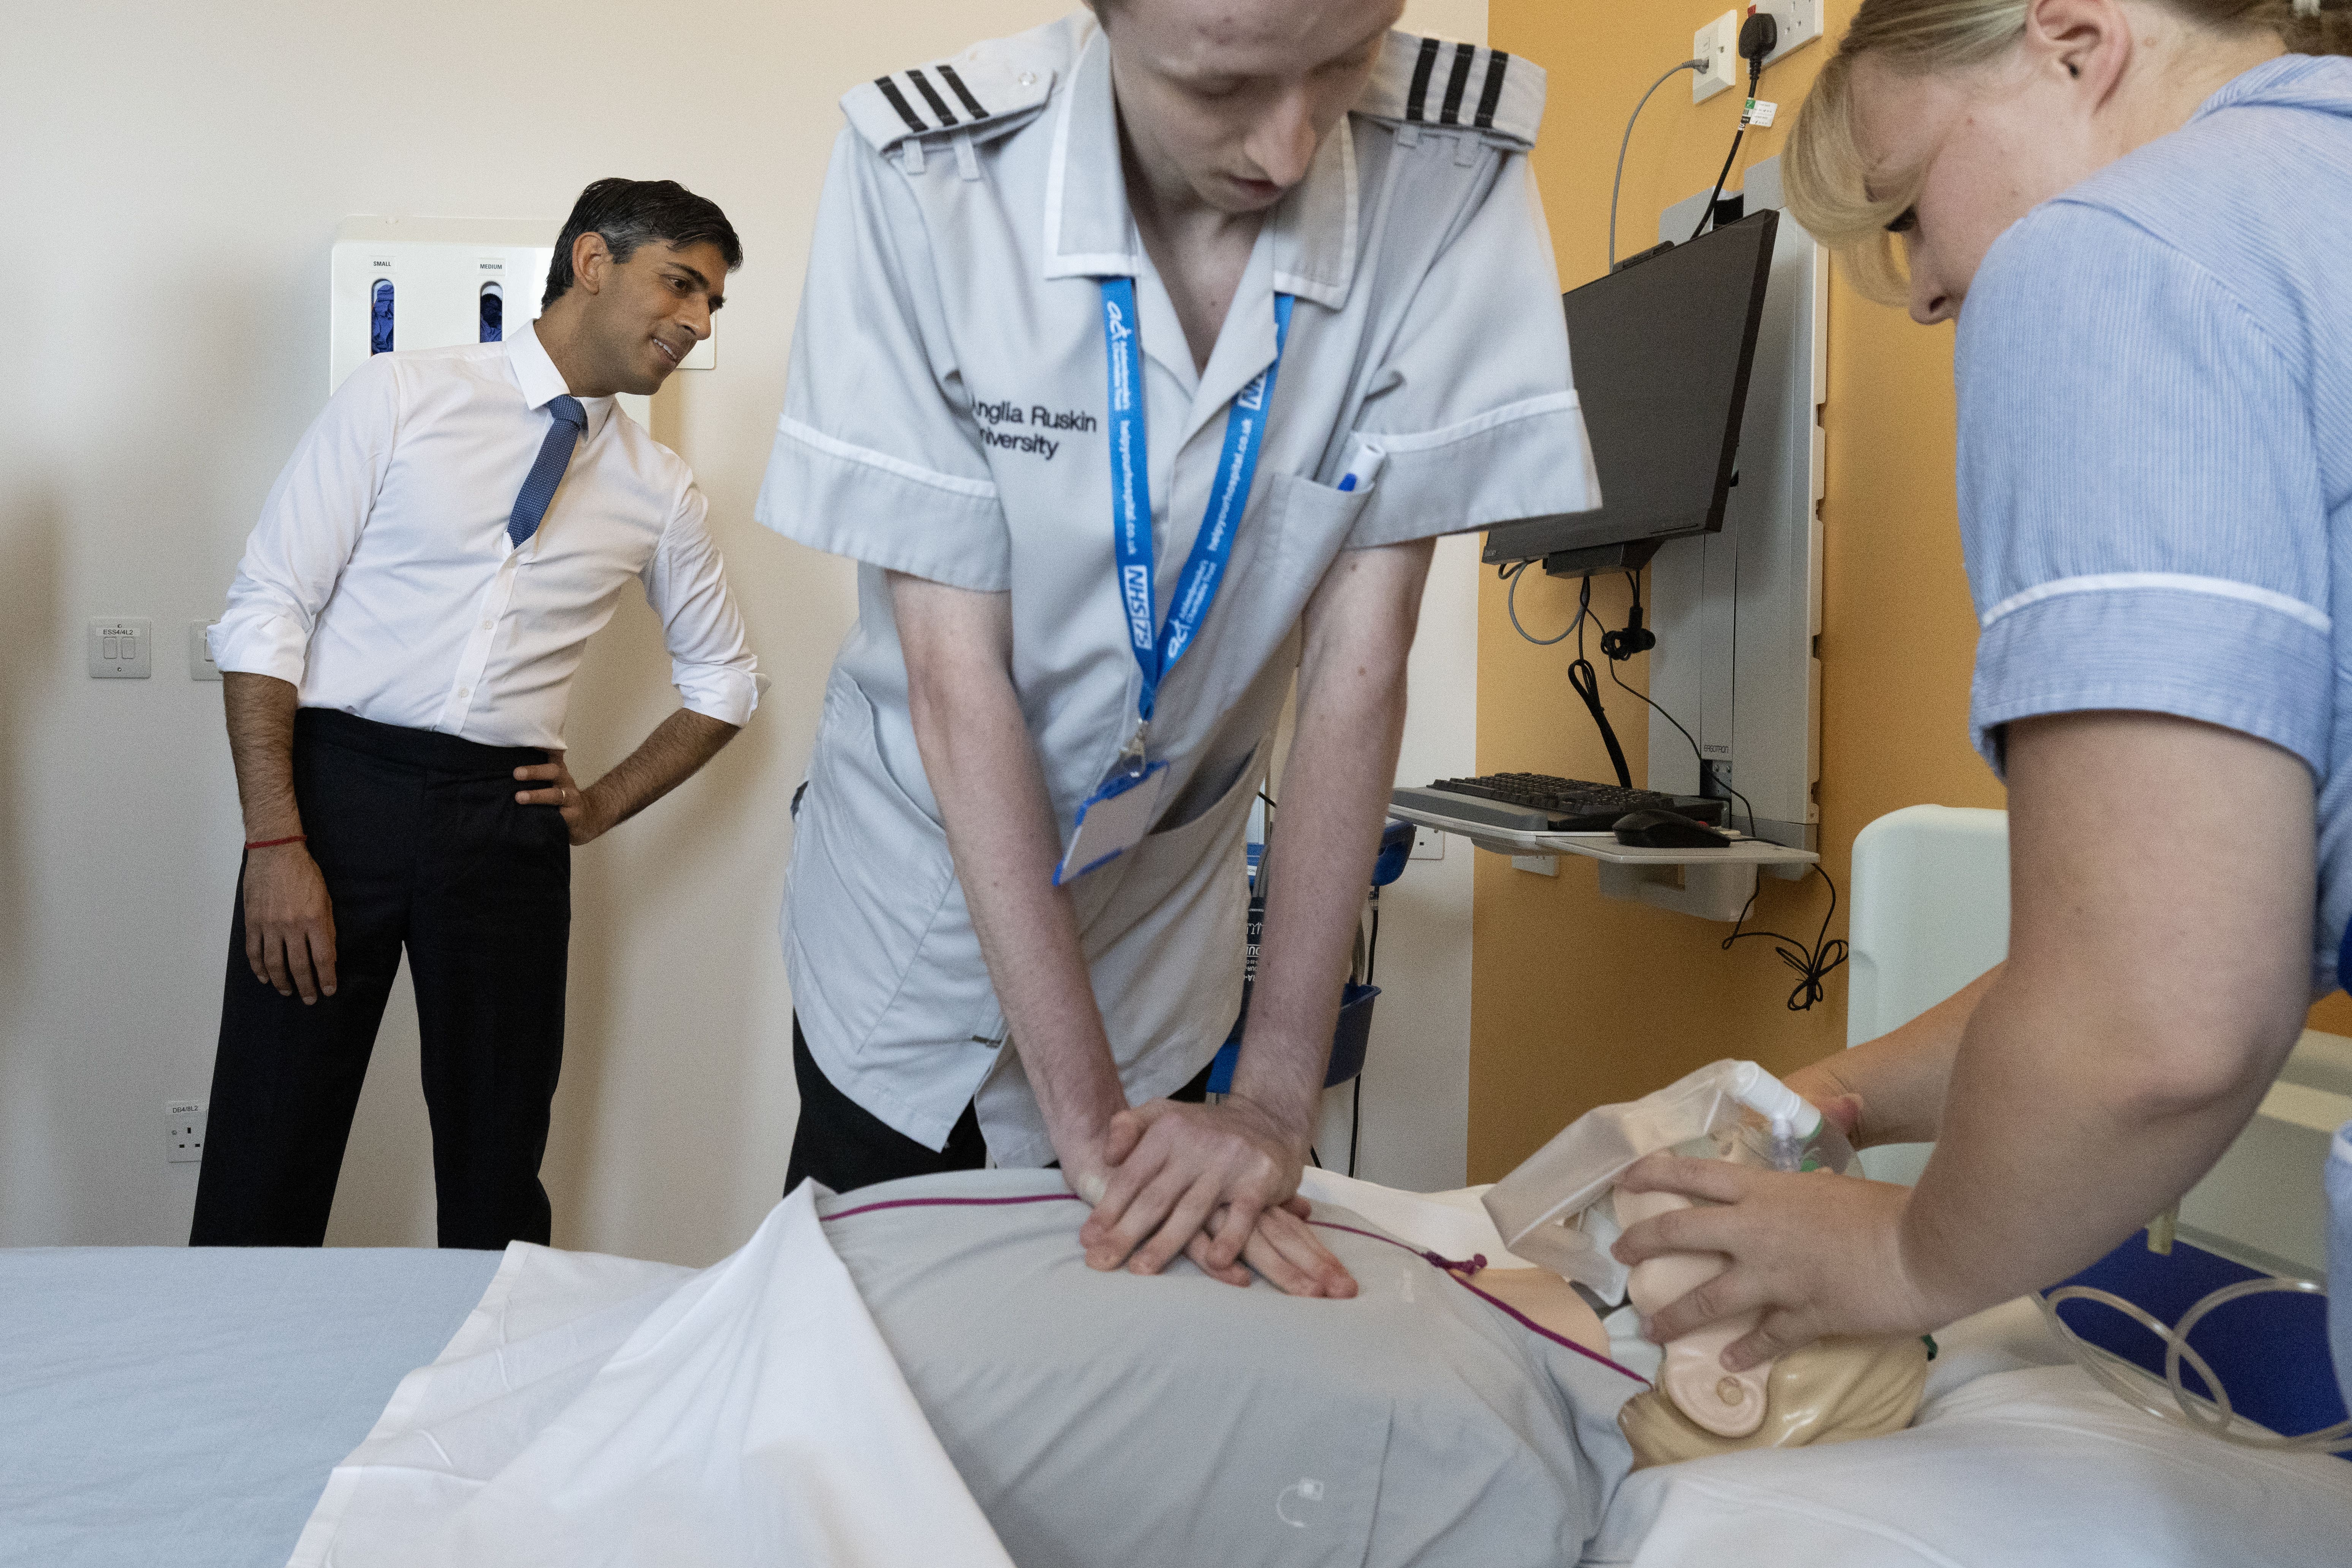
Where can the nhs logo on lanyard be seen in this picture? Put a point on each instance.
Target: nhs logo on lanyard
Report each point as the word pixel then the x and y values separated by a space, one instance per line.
pixel 1252 396
pixel 1135 586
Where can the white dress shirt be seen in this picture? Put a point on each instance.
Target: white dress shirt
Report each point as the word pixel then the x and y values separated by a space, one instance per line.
pixel 380 579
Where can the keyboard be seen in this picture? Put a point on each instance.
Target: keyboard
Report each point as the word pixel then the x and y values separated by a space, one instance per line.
pixel 1539 803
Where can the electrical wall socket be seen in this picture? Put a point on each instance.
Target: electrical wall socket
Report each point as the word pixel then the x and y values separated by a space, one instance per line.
pixel 200 653
pixel 1428 844
pixel 184 1131
pixel 1799 20
pixel 1718 44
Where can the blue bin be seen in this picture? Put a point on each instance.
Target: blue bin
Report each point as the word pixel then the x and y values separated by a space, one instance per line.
pixel 1350 1038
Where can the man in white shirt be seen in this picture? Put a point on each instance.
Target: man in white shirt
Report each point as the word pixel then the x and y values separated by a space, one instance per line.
pixel 397 654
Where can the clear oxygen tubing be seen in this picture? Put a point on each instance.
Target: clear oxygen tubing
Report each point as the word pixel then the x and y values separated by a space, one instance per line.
pixel 2211 1415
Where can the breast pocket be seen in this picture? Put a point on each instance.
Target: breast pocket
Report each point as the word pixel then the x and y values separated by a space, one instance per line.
pixel 1287 541
pixel 1314 520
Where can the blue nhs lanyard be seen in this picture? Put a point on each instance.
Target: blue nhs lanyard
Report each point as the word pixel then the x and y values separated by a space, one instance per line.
pixel 1130 495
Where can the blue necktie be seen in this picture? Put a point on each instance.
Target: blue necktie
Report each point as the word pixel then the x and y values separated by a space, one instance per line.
pixel 554 457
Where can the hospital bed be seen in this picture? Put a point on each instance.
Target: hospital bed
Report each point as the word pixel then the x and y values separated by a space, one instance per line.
pixel 163 1405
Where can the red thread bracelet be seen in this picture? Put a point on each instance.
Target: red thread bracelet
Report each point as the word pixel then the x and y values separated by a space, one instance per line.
pixel 274 843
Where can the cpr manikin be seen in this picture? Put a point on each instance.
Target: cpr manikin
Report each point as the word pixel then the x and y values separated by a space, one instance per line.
pixel 1563 1207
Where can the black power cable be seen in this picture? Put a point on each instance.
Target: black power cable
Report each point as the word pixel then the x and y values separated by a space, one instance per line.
pixel 1758 36
pixel 1635 639
pixel 1587 685
pixel 1813 965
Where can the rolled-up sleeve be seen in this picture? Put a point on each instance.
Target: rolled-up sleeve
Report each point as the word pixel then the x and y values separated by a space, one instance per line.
pixel 2141 492
pixel 309 526
pixel 876 459
pixel 710 660
pixel 1477 410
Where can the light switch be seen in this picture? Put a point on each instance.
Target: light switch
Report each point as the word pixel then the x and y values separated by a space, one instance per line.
pixel 120 649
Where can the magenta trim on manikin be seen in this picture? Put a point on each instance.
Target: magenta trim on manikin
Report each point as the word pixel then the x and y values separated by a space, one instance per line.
pixel 1450 1269
pixel 1453 1271
pixel 953 1204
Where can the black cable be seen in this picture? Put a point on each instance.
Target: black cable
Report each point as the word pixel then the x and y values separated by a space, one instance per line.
pixel 1813 963
pixel 1632 623
pixel 1587 685
pixel 1707 216
pixel 1373 955
pixel 1354 1120
pixel 1765 37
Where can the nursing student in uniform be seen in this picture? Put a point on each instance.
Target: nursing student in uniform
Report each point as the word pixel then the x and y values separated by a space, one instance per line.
pixel 1140 360
pixel 397 653
pixel 2139 212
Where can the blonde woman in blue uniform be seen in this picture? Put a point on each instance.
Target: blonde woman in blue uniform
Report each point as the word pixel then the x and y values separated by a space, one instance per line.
pixel 1140 360
pixel 2139 214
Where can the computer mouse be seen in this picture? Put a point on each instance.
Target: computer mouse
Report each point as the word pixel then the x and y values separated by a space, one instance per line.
pixel 1668 830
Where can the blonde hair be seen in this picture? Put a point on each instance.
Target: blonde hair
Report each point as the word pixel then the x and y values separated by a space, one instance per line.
pixel 1824 171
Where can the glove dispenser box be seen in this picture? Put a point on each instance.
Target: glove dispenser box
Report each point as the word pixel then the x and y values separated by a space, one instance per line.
pixel 429 283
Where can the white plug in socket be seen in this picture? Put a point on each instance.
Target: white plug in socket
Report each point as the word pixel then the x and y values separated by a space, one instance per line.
pixel 184 1131
pixel 1718 44
pixel 1799 23
pixel 200 653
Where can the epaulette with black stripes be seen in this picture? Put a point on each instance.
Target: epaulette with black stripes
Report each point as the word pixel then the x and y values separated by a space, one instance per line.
pixel 980 94
pixel 1442 85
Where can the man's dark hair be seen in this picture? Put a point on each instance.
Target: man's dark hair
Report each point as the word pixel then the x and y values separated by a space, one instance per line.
pixel 628 213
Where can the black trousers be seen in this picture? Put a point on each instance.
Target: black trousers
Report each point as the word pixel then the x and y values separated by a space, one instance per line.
pixel 847 1146
pixel 423 848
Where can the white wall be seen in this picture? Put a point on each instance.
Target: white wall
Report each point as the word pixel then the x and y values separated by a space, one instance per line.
pixel 174 174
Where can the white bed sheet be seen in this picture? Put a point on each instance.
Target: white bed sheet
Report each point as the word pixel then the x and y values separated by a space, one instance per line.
pixel 599 1410
pixel 530 1440
pixel 2017 1459
pixel 182 1406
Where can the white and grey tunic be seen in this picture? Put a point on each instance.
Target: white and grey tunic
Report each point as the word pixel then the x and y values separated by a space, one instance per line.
pixel 946 418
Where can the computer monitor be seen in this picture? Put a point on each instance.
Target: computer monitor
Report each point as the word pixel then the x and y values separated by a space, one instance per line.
pixel 1662 349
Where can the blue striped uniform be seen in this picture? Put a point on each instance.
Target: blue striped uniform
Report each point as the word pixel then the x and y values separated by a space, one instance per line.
pixel 2155 376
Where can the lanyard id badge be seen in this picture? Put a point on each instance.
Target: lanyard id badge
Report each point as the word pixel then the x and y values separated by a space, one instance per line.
pixel 1115 817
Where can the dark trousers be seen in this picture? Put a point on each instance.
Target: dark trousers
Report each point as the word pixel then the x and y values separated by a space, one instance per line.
pixel 841 1143
pixel 423 848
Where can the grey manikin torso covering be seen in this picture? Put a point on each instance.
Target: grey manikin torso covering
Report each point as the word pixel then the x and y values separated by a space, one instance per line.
pixel 1112 1419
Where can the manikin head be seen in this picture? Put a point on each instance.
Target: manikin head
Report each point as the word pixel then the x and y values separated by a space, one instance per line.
pixel 1944 121
pixel 639 268
pixel 1221 104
